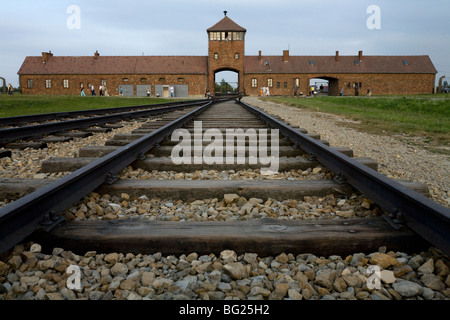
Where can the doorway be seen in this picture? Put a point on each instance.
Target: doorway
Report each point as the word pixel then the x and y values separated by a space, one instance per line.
pixel 165 91
pixel 226 82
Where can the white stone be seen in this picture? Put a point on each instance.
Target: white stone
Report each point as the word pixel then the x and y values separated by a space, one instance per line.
pixel 387 276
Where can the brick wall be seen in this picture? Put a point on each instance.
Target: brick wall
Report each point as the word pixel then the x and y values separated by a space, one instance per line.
pixel 379 84
pixel 226 60
pixel 196 83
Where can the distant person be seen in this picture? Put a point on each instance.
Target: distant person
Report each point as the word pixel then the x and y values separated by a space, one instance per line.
pixel 148 92
pixel 82 92
pixel 100 90
pixel 10 89
pixel 369 92
pixel 171 91
pixel 267 92
pixel 93 90
pixel 105 92
pixel 342 92
pixel 120 91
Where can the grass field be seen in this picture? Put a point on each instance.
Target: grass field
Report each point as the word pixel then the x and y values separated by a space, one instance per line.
pixel 418 116
pixel 19 105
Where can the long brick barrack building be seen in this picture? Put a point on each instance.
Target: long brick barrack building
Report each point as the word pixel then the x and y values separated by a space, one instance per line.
pixel 195 75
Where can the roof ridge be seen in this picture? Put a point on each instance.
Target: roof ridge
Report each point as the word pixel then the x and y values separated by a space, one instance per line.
pixel 226 24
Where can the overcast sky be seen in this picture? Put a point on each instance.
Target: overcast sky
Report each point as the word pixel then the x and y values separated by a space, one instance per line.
pixel 178 27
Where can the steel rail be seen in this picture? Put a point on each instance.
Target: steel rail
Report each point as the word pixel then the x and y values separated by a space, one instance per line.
pixel 405 206
pixel 18 120
pixel 41 208
pixel 13 134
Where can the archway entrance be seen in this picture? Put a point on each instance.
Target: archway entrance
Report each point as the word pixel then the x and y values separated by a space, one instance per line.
pixel 226 81
pixel 325 86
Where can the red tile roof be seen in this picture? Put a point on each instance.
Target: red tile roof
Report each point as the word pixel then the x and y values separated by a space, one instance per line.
pixel 226 24
pixel 116 65
pixel 346 64
pixel 199 65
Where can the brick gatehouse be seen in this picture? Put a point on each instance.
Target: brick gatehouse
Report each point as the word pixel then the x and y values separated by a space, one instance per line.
pixel 185 76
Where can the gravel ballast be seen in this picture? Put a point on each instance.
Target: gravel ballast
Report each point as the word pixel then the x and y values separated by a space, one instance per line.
pixel 396 158
pixel 31 272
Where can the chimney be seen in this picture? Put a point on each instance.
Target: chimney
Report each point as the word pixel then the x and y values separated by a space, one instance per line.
pixel 360 55
pixel 337 56
pixel 285 55
pixel 46 56
pixel 96 54
pixel 259 57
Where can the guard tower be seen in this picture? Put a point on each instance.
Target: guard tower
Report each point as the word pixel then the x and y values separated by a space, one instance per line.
pixel 226 51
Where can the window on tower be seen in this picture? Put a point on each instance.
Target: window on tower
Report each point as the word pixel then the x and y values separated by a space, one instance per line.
pixel 226 35
pixel 214 36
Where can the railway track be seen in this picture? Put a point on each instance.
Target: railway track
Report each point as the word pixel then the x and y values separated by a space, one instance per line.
pixel 58 116
pixel 82 127
pixel 361 210
pixel 393 197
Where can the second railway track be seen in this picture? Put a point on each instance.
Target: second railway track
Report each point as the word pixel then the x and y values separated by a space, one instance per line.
pixel 314 203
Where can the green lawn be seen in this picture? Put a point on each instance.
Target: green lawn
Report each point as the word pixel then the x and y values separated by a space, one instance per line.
pixel 19 105
pixel 423 116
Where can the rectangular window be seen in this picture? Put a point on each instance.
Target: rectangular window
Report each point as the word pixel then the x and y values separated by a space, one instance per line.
pixel 66 83
pixel 29 83
pixel 236 56
pixel 48 83
pixel 238 35
pixel 254 83
pixel 104 82
pixel 285 84
pixel 162 79
pixel 270 83
pixel 278 84
pixel 125 79
pixel 216 56
pixel 214 36
pixel 297 82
